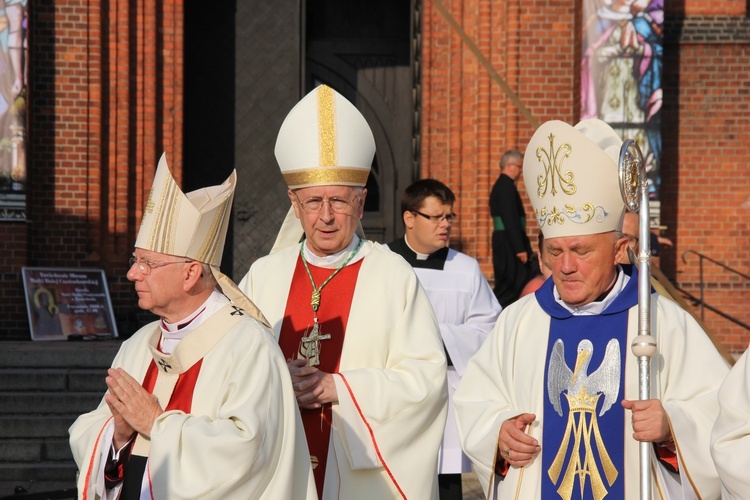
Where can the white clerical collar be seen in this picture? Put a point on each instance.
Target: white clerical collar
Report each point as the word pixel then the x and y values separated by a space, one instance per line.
pixel 594 308
pixel 172 333
pixel 335 260
pixel 420 256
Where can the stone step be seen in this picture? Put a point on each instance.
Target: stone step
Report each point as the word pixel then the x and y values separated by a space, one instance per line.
pixel 31 426
pixel 52 379
pixel 59 354
pixel 57 490
pixel 44 386
pixel 23 474
pixel 48 403
pixel 35 450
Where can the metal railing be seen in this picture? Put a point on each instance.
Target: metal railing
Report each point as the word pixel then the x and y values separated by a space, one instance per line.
pixel 700 300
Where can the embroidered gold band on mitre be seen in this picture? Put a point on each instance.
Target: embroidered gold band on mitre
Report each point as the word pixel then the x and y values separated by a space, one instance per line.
pixel 327 148
pixel 161 237
pixel 345 176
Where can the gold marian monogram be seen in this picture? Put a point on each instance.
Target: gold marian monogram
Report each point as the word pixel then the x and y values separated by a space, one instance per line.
pixel 553 170
pixel 582 426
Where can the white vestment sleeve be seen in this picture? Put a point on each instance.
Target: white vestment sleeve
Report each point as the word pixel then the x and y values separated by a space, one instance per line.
pixel 730 438
pixel 486 397
pixel 689 371
pixel 354 432
pixel 394 370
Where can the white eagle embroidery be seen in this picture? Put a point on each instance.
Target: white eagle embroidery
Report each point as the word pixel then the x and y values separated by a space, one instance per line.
pixel 606 379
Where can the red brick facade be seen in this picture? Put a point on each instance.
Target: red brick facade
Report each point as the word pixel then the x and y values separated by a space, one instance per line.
pixel 468 122
pixel 105 94
pixel 106 98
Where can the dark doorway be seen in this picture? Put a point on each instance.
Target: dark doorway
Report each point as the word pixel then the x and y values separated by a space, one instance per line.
pixel 363 50
pixel 209 88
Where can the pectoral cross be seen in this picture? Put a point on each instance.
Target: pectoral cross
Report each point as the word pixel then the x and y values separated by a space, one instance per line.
pixel 309 345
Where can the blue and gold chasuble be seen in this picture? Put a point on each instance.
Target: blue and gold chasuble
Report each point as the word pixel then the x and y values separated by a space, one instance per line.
pixel 584 422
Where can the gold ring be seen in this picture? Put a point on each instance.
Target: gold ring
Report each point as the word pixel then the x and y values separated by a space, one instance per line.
pixel 507 454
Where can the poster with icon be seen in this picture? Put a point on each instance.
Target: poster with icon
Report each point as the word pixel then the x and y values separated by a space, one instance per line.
pixel 68 304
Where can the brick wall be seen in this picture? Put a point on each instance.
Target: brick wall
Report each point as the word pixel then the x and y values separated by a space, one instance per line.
pixel 13 240
pixel 105 101
pixel 709 193
pixel 467 119
pixel 467 123
pixel 691 8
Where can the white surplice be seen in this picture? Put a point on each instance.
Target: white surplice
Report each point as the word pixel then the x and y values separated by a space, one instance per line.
pixel 466 309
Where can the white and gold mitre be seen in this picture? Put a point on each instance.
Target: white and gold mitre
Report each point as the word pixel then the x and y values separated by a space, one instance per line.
pixel 572 179
pixel 192 225
pixel 325 140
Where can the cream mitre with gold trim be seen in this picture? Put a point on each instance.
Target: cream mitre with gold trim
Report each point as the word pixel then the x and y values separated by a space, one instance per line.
pixel 324 141
pixel 572 179
pixel 192 225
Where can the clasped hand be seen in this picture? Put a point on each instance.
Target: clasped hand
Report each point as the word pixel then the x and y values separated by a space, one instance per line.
pixel 313 387
pixel 133 408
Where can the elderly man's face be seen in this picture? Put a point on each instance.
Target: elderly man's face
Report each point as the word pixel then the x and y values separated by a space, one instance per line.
pixel 329 216
pixel 160 285
pixel 583 267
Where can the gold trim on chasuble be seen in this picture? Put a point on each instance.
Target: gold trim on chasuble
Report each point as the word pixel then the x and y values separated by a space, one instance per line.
pixel 583 392
pixel 553 176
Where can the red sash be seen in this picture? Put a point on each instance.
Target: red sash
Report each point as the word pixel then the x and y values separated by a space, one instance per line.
pixel 333 315
pixel 182 397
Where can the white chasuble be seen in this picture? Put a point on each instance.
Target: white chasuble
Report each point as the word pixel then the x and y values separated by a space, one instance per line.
pixel 391 382
pixel 243 436
pixel 507 377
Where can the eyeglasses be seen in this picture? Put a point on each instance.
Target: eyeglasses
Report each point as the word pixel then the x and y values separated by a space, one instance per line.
pixel 337 205
pixel 451 217
pixel 145 266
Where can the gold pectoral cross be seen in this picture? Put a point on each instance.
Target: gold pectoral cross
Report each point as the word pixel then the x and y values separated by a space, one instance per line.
pixel 309 345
